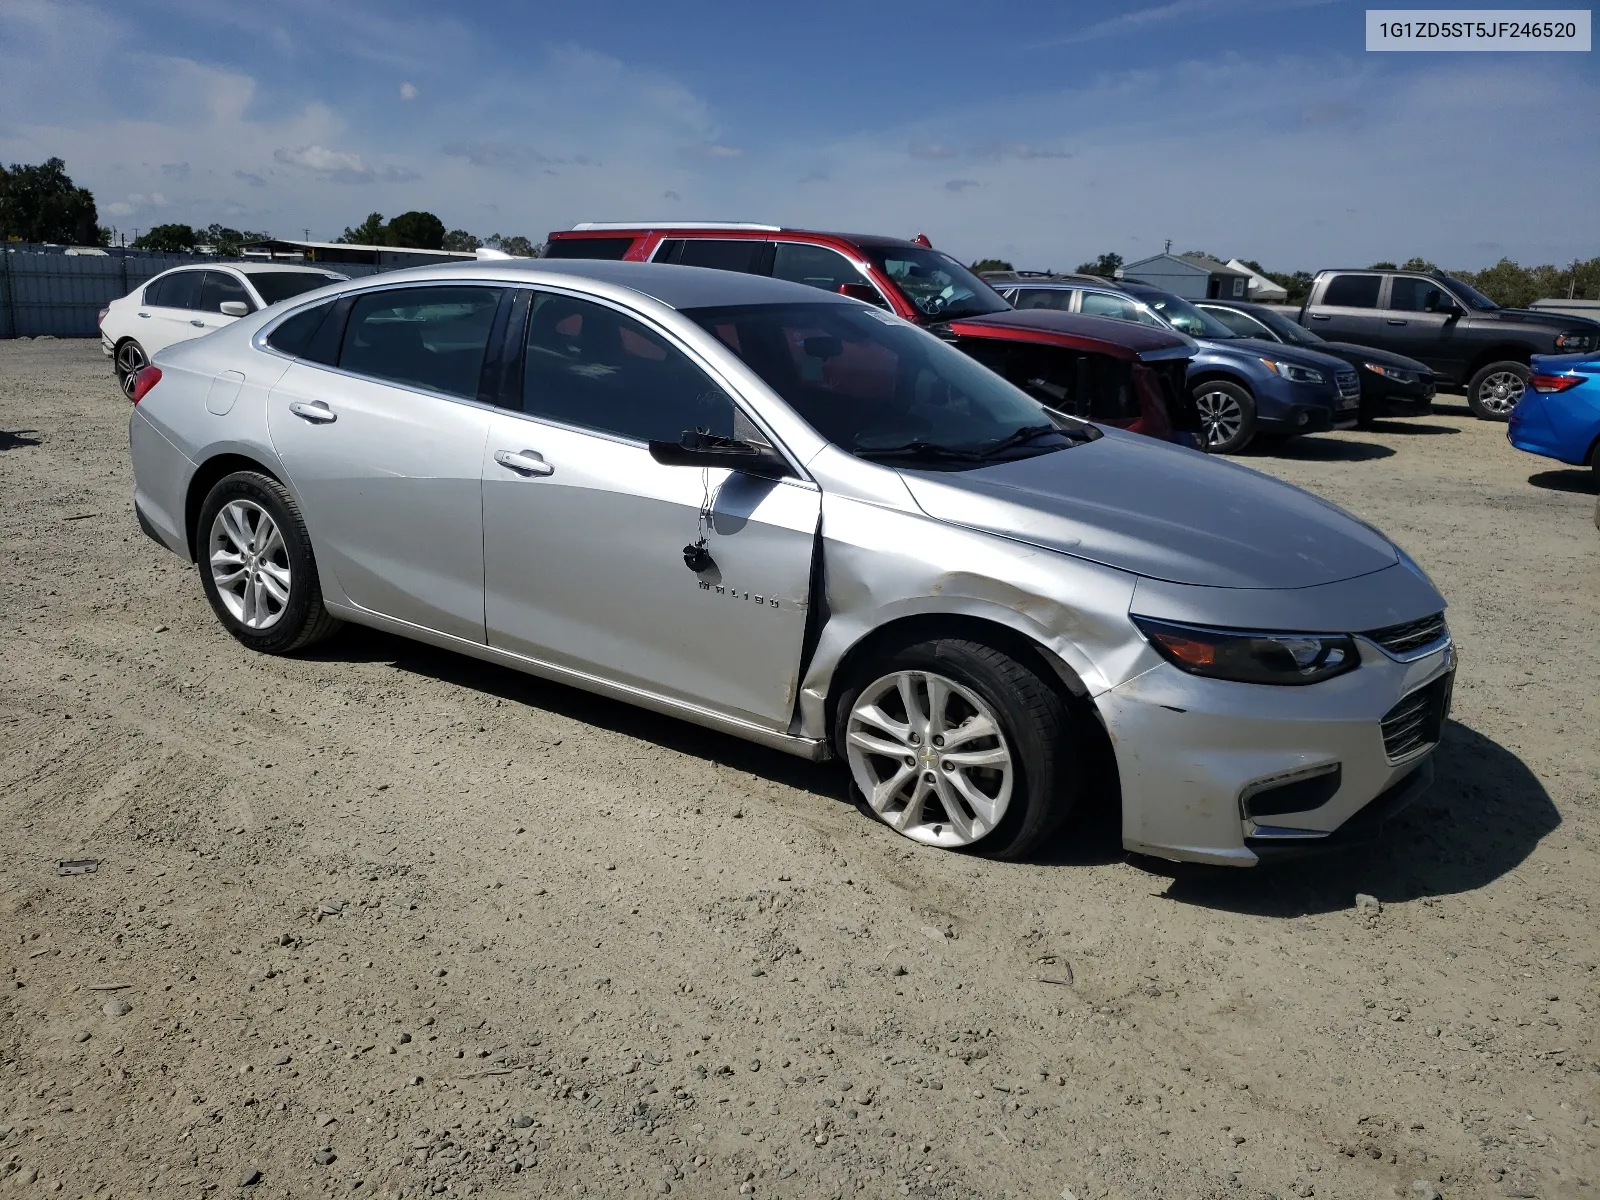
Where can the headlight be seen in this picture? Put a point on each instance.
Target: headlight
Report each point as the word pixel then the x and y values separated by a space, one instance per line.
pixel 1248 657
pixel 1577 339
pixel 1293 373
pixel 1398 374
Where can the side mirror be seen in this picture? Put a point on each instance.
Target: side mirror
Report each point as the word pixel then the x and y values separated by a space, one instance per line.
pixel 861 291
pixel 234 308
pixel 1443 305
pixel 710 450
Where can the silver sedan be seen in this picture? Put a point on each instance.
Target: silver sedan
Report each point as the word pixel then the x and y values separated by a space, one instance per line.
pixel 798 519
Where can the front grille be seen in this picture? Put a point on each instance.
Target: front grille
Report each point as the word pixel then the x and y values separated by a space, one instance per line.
pixel 1418 720
pixel 1349 385
pixel 1401 640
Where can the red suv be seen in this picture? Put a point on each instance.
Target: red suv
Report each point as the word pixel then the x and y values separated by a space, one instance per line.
pixel 911 279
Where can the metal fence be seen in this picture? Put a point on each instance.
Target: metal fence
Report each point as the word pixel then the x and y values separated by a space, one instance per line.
pixel 44 290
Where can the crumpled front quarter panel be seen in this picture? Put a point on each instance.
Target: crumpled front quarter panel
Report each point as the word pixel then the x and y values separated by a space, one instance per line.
pixel 881 564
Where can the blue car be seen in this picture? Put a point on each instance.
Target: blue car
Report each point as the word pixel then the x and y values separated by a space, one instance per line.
pixel 1559 415
pixel 1241 386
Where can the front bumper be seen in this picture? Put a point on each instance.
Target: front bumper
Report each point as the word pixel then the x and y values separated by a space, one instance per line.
pixel 1193 753
pixel 1285 407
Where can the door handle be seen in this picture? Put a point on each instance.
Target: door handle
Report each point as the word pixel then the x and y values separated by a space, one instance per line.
pixel 146 316
pixel 316 412
pixel 1319 316
pixel 198 324
pixel 524 462
pixel 1392 321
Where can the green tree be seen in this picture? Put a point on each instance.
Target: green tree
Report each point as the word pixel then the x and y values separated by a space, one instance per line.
pixel 992 264
pixel 1417 264
pixel 41 204
pixel 461 240
pixel 171 239
pixel 416 230
pixel 1106 266
pixel 1383 266
pixel 370 232
pixel 516 245
pixel 226 242
pixel 1297 284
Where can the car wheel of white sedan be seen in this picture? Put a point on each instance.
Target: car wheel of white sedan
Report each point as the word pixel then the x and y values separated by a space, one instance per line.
pixel 256 565
pixel 130 358
pixel 955 744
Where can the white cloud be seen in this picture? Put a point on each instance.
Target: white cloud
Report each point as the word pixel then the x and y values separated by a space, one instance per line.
pixel 342 166
pixel 408 91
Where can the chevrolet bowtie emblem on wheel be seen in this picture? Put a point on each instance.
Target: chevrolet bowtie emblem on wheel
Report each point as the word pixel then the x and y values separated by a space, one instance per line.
pixel 718 589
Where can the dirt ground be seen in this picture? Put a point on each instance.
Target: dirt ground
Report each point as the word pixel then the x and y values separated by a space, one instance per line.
pixel 382 921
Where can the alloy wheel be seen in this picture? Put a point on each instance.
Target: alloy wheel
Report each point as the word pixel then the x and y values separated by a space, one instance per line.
pixel 130 359
pixel 1500 392
pixel 1221 417
pixel 930 757
pixel 250 564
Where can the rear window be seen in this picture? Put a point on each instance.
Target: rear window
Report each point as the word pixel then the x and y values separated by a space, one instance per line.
pixel 181 289
pixel 274 286
pixel 590 247
pixel 1352 291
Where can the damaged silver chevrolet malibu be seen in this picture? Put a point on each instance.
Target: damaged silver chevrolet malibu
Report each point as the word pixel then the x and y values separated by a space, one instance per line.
pixel 796 518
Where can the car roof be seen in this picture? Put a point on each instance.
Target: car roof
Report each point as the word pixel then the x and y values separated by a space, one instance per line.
pixel 1107 335
pixel 865 241
pixel 252 268
pixel 675 286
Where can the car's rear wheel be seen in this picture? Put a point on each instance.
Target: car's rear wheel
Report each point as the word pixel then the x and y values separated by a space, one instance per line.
pixel 1494 391
pixel 955 744
pixel 257 567
pixel 128 360
pixel 1227 416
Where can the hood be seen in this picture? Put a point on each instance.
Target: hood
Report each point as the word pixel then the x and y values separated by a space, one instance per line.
pixel 1281 351
pixel 1160 511
pixel 1382 357
pixel 1533 316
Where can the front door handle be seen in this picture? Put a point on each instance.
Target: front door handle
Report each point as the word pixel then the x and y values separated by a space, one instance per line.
pixel 316 412
pixel 524 462
pixel 198 324
pixel 1393 321
pixel 1320 316
pixel 146 316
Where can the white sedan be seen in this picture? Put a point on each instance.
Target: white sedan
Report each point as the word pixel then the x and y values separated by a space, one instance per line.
pixel 191 301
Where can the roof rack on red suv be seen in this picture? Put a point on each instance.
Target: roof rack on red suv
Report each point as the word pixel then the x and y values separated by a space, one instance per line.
pixel 908 277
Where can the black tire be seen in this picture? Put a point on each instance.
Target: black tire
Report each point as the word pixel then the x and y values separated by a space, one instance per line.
pixel 1491 395
pixel 303 620
pixel 126 360
pixel 1227 416
pixel 1040 731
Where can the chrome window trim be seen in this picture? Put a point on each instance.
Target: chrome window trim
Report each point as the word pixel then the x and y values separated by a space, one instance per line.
pixel 258 340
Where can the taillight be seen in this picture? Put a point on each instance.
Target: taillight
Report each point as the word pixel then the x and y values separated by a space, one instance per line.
pixel 144 379
pixel 1555 383
pixel 101 319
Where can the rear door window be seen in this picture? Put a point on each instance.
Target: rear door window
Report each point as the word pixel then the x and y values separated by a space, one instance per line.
pixel 293 336
pixel 594 368
pixel 219 287
pixel 592 247
pixel 424 337
pixel 1352 291
pixel 1057 298
pixel 1241 324
pixel 751 256
pixel 181 289
pixel 815 266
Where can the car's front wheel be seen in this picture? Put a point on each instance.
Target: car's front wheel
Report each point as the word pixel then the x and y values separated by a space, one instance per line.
pixel 257 567
pixel 1494 391
pixel 955 744
pixel 1227 416
pixel 128 360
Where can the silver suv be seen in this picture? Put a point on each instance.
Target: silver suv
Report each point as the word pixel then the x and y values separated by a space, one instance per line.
pixel 801 520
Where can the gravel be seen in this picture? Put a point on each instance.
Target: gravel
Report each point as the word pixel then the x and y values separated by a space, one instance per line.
pixel 405 779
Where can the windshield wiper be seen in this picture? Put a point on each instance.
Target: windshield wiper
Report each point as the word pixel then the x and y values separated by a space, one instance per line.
pixel 918 449
pixel 1029 432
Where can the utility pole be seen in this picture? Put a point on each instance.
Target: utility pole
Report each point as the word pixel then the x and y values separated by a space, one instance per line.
pixel 1572 281
pixel 307 232
pixel 1168 248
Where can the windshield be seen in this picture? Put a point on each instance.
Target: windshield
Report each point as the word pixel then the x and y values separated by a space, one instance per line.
pixel 1473 297
pixel 274 286
pixel 936 284
pixel 1295 335
pixel 1185 317
pixel 880 387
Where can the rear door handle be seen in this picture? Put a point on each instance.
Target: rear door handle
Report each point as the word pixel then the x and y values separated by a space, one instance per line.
pixel 316 412
pixel 146 316
pixel 198 324
pixel 1393 321
pixel 1319 316
pixel 524 462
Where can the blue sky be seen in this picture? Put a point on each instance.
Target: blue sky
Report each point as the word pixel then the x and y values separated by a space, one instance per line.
pixel 1042 133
